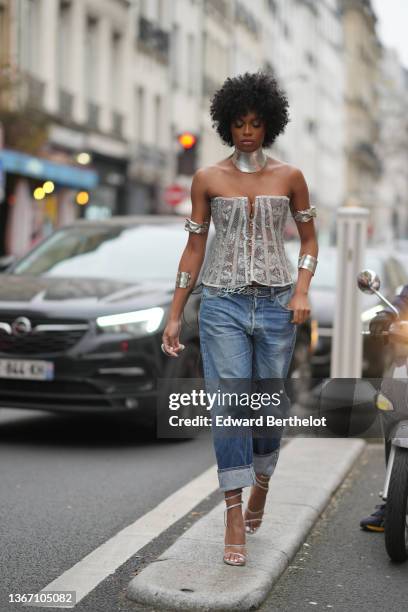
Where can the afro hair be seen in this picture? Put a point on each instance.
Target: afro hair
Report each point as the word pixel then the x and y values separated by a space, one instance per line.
pixel 256 92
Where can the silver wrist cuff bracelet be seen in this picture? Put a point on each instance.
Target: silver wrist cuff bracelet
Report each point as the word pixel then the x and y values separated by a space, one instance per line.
pixel 309 262
pixel 196 228
pixel 183 279
pixel 305 215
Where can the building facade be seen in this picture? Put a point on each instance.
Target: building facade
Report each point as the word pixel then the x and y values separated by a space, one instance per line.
pixel 362 64
pixel 304 45
pixel 391 215
pixel 62 98
pixel 114 82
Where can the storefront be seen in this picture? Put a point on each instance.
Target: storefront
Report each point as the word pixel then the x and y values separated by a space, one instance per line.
pixel 105 155
pixel 39 196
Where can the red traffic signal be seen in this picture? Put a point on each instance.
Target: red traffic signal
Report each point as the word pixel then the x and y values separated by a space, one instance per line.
pixel 187 140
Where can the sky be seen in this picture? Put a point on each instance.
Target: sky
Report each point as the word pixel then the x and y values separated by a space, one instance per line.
pixel 392 25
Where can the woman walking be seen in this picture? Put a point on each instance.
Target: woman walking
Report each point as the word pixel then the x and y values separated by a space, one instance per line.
pixel 250 305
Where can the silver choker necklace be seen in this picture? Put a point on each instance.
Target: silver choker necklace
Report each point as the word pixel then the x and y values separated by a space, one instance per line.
pixel 249 162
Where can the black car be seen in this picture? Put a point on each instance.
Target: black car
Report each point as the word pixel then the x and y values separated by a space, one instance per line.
pixel 82 316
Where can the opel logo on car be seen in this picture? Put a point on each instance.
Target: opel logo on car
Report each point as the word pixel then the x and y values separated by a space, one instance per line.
pixel 21 326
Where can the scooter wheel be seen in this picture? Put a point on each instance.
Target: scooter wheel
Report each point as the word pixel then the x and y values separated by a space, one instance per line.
pixel 396 509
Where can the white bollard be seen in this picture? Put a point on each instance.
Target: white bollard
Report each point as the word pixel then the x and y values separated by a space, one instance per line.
pixel 347 343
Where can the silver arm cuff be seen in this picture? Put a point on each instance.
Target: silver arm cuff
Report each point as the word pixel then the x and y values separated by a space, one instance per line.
pixel 196 228
pixel 183 279
pixel 309 262
pixel 305 215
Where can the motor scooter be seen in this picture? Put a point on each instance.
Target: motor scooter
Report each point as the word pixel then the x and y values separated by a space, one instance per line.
pixel 392 402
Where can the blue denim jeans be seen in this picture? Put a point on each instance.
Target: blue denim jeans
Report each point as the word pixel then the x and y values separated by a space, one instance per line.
pixel 249 338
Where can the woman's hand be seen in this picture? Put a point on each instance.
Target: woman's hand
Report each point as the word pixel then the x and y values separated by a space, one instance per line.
pixel 170 338
pixel 300 305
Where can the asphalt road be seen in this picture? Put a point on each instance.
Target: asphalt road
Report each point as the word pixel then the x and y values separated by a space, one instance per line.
pixel 340 567
pixel 68 484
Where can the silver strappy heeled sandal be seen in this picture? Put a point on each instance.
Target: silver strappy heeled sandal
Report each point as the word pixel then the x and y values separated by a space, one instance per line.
pixel 251 528
pixel 241 556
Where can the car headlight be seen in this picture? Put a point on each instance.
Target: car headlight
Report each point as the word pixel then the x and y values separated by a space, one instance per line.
pixel 137 323
pixel 383 403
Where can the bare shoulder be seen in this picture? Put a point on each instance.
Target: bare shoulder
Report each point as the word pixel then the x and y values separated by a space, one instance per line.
pixel 295 174
pixel 205 176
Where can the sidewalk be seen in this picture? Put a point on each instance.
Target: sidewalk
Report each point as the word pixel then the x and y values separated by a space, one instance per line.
pixel 191 574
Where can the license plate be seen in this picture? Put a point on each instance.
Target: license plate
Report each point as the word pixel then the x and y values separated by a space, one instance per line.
pixel 26 369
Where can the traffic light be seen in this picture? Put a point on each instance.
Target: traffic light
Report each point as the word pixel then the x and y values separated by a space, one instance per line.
pixel 187 154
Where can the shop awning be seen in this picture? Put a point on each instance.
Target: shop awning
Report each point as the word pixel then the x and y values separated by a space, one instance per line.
pixel 42 169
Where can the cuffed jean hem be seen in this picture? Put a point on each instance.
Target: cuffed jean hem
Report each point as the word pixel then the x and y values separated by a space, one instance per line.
pixel 236 478
pixel 266 464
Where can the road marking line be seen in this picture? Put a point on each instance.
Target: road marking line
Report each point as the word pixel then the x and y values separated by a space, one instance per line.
pixel 85 575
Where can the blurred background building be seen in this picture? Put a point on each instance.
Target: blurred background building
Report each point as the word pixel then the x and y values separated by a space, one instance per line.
pixel 104 106
pixel 362 65
pixel 391 214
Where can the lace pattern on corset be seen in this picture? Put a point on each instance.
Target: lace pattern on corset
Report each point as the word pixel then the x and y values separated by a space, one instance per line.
pixel 240 252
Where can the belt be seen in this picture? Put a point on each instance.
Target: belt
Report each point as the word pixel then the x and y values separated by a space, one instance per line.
pixel 255 290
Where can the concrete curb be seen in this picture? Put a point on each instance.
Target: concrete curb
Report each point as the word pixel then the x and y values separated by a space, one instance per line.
pixel 190 574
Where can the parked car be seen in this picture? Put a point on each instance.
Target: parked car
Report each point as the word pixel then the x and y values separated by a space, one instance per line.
pixel 323 297
pixel 82 316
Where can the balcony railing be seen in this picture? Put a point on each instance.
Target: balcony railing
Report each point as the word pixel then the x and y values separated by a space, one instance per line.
pixel 93 116
pixel 149 155
pixel 153 39
pixel 311 4
pixel 66 102
pixel 246 18
pixel 209 86
pixel 30 92
pixel 366 153
pixel 117 124
pixel 219 6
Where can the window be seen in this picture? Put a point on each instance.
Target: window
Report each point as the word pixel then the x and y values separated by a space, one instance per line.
pixel 160 13
pixel 91 59
pixel 272 6
pixel 116 71
pixel 286 30
pixel 268 67
pixel 175 55
pixel 29 36
pixel 63 44
pixel 191 63
pixel 310 58
pixel 311 126
pixel 3 36
pixel 157 121
pixel 143 8
pixel 139 114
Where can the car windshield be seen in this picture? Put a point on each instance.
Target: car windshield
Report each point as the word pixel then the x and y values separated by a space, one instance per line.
pixel 142 252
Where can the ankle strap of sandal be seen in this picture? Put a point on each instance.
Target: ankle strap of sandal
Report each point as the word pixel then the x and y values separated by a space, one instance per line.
pixel 232 496
pixel 260 483
pixel 229 508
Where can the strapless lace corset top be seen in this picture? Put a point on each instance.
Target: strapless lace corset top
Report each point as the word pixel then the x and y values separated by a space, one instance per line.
pixel 248 249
